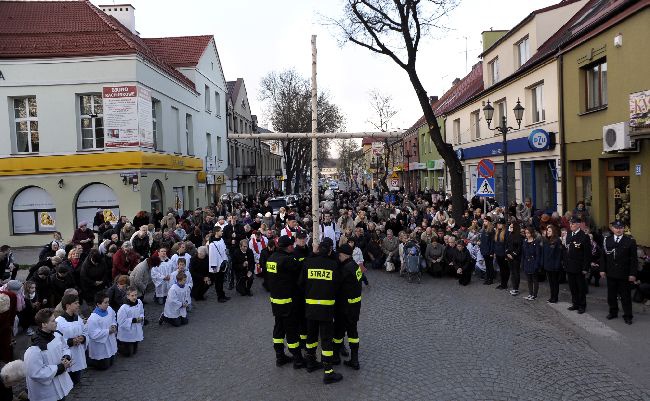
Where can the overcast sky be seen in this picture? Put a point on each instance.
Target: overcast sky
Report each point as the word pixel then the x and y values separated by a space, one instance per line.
pixel 255 37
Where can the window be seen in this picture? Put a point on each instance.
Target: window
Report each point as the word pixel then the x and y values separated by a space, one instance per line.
pixel 189 135
pixel 523 52
pixel 229 122
pixel 33 211
pixel 237 157
pixel 97 196
pixel 596 85
pixel 176 118
pixel 537 96
pixel 235 121
pixel 217 103
pixel 155 112
pixel 208 144
pixel 493 71
pixel 456 131
pixel 206 95
pixel 218 148
pixel 583 186
pixel 92 121
pixel 27 140
pixel 500 110
pixel 475 120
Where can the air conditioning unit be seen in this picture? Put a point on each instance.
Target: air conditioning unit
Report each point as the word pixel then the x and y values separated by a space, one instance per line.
pixel 616 137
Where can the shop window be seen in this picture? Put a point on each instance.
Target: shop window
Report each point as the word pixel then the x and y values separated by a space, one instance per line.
pixel 156 196
pixel 33 211
pixel 498 183
pixel 618 191
pixel 538 182
pixel 583 185
pixel 94 198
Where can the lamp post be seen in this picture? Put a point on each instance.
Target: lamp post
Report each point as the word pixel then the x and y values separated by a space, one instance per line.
pixel 503 129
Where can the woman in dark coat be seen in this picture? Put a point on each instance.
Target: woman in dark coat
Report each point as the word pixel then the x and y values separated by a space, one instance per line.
pixel 531 261
pixel 463 263
pixel 552 255
pixel 500 238
pixel 513 256
pixel 93 276
pixel 199 269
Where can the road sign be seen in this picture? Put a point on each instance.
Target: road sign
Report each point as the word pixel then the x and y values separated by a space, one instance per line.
pixel 394 182
pixel 485 187
pixel 485 168
pixel 394 175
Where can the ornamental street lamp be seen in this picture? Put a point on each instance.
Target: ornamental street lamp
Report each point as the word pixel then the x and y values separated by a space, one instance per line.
pixel 503 129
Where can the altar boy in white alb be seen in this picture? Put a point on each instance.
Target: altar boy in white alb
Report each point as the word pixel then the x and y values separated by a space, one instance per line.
pixel 130 318
pixel 160 275
pixel 47 361
pixel 72 326
pixel 102 326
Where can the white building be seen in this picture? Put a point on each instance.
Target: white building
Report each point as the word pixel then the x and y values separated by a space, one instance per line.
pixel 98 119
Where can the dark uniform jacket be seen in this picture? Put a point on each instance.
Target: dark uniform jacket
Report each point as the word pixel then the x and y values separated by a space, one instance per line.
pixel 282 273
pixel 348 300
pixel 619 260
pixel 320 279
pixel 578 255
pixel 300 253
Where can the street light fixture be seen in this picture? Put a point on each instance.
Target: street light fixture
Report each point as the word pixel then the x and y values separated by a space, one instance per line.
pixel 503 129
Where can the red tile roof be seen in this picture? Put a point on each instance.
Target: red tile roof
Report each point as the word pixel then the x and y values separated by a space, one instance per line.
pixel 45 29
pixel 180 51
pixel 469 86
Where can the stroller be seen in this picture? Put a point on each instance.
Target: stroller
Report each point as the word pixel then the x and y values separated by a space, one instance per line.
pixel 413 262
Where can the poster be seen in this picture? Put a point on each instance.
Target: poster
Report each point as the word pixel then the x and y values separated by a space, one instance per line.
pixel 640 109
pixel 127 116
pixel 110 216
pixel 46 220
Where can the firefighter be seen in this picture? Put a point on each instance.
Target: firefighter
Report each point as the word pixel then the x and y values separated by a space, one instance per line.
pixel 282 273
pixel 320 280
pixel 348 307
pixel 300 253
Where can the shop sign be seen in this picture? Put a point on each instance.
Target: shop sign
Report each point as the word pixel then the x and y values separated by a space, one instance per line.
pixel 438 164
pixel 460 154
pixel 377 148
pixel 640 109
pixel 515 146
pixel 539 140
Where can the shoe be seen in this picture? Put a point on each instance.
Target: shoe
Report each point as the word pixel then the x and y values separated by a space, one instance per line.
pixel 161 320
pixel 488 282
pixel 581 311
pixel 222 300
pixel 528 297
pixel 311 364
pixel 282 359
pixel 298 363
pixel 572 307
pixel 551 301
pixel 611 316
pixel 29 331
pixel 628 320
pixel 227 298
pixel 352 364
pixel 514 293
pixel 332 377
pixel 500 287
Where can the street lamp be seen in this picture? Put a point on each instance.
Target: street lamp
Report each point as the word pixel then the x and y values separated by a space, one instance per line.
pixel 503 129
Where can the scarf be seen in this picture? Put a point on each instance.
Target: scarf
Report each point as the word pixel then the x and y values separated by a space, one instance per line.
pixel 180 285
pixel 100 311
pixel 256 247
pixel 69 318
pixel 41 339
pixel 128 302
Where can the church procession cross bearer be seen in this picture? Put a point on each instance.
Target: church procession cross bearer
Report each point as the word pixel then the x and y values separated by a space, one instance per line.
pixel 314 136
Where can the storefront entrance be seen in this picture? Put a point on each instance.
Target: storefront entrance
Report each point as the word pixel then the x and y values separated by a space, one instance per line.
pixel 538 182
pixel 618 190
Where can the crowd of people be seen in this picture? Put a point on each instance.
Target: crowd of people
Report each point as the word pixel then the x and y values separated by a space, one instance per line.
pixel 109 268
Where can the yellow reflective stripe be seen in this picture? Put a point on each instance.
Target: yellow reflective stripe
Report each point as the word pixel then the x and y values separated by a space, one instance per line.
pixel 312 345
pixel 293 345
pixel 328 353
pixel 280 301
pixel 301 259
pixel 278 341
pixel 337 340
pixel 319 301
pixel 353 340
pixel 354 300
pixel 329 371
pixel 303 337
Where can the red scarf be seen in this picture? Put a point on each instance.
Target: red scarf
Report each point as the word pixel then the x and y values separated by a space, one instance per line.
pixel 289 232
pixel 256 247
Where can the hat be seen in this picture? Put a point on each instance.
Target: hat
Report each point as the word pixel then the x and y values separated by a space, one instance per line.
pixel 345 249
pixel 83 223
pixel 301 235
pixel 14 285
pixel 267 215
pixel 285 241
pixel 617 224
pixel 501 221
pixel 488 218
pixel 575 220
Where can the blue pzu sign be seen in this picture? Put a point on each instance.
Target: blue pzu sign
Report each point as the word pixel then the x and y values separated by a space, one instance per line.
pixel 539 140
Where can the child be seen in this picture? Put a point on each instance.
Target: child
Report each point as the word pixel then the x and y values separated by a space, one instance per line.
pixel 47 361
pixel 178 299
pixel 130 318
pixel 181 268
pixel 73 329
pixel 117 292
pixel 160 276
pixel 26 316
pixel 102 326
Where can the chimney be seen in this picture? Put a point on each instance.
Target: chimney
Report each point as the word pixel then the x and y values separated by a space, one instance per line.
pixel 456 81
pixel 124 13
pixel 433 99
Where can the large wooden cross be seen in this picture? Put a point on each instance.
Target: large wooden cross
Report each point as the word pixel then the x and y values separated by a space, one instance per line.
pixel 314 136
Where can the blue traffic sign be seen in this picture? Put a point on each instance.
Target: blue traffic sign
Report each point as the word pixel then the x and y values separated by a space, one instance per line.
pixel 486 168
pixel 485 187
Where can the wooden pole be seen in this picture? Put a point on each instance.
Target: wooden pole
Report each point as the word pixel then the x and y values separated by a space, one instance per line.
pixel 314 147
pixel 321 135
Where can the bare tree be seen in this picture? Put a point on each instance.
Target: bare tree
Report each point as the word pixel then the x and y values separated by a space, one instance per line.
pixel 350 158
pixel 394 28
pixel 382 108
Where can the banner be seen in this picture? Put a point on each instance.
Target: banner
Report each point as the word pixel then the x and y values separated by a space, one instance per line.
pixel 127 116
pixel 640 109
pixel 377 148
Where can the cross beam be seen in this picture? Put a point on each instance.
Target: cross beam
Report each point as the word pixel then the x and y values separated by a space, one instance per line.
pixel 320 135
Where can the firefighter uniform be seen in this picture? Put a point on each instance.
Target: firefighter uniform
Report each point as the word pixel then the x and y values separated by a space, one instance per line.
pixel 282 273
pixel 320 281
pixel 300 253
pixel 348 307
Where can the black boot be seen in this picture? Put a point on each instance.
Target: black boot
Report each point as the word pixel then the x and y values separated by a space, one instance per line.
pixel 281 358
pixel 330 375
pixel 354 359
pixel 311 363
pixel 336 357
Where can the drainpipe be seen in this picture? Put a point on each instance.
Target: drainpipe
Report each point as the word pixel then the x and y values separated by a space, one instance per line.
pixel 563 160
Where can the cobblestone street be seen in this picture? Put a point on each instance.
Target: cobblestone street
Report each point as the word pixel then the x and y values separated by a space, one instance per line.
pixel 434 341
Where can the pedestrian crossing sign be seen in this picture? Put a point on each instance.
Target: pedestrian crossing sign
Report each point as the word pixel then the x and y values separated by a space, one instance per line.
pixel 485 187
pixel 394 175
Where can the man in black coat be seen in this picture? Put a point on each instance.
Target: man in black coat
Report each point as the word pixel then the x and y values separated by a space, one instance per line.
pixel 620 265
pixel 233 232
pixel 577 265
